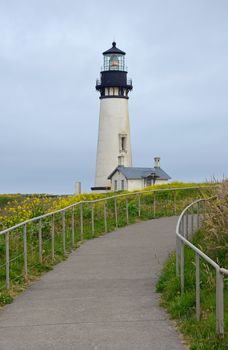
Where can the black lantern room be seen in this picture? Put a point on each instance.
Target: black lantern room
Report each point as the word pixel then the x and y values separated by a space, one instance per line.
pixel 113 81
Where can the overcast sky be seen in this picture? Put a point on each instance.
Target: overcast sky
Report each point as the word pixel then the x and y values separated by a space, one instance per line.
pixel 50 57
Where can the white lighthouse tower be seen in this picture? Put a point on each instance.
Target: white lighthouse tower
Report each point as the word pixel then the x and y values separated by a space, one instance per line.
pixel 114 144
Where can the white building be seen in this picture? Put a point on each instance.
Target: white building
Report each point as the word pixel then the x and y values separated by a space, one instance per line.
pixel 114 130
pixel 132 178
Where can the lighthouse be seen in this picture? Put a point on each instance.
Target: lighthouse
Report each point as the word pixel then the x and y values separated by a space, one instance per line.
pixel 114 142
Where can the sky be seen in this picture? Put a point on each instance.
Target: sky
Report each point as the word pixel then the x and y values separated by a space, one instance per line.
pixel 50 57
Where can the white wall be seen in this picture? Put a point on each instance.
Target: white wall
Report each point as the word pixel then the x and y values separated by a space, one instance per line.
pixel 114 120
pixel 119 177
pixel 137 184
pixel 131 185
pixel 161 182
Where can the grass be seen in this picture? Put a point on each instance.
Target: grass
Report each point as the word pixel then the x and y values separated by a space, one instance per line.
pixel 151 206
pixel 213 240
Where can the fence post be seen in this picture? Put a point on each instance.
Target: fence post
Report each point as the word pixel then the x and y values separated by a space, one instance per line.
pixel 72 227
pixel 197 287
pixel 105 217
pixel 25 251
pixel 139 204
pixel 53 237
pixel 40 242
pixel 116 213
pixel 154 205
pixel 127 221
pixel 92 220
pixel 7 261
pixel 182 266
pixel 219 303
pixel 64 232
pixel 81 220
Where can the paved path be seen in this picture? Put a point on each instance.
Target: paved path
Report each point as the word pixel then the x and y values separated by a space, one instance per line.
pixel 102 298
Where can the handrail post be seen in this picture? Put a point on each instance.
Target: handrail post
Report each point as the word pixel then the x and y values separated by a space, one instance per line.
pixel 105 217
pixel 64 231
pixel 53 238
pixel 127 221
pixel 116 212
pixel 186 222
pixel 139 204
pixel 40 242
pixel 81 221
pixel 197 287
pixel 182 266
pixel 25 250
pixel 219 303
pixel 92 220
pixel 177 256
pixel 7 261
pixel 192 221
pixel 198 215
pixel 72 227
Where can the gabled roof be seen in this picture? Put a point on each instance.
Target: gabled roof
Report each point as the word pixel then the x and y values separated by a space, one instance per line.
pixel 114 49
pixel 140 173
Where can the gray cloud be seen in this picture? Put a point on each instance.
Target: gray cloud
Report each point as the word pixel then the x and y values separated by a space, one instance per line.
pixel 50 56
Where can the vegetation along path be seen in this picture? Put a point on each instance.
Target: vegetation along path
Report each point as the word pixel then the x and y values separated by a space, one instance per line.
pixel 102 297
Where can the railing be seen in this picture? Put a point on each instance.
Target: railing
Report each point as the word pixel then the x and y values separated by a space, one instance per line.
pixel 31 245
pixel 188 223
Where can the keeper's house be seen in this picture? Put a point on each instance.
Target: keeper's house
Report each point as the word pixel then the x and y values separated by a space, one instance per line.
pixel 132 178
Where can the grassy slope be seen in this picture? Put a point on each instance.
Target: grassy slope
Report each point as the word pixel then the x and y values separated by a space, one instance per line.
pixel 213 240
pixel 35 206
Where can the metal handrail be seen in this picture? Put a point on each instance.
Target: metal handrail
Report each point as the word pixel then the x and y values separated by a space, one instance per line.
pixel 181 241
pixel 37 218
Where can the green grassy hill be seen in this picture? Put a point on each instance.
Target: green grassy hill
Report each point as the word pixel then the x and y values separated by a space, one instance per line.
pixel 212 239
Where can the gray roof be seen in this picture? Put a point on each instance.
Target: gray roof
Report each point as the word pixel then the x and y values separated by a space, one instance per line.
pixel 139 173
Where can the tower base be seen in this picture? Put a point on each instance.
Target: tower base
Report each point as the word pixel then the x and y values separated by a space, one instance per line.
pixel 101 189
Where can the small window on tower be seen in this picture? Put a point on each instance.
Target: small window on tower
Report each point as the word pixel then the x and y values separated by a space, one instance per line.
pixel 123 142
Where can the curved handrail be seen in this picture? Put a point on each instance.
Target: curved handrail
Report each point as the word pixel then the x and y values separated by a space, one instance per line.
pixel 191 245
pixel 181 241
pixel 37 218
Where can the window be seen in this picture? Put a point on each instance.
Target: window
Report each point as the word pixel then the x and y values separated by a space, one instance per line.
pixel 115 185
pixel 114 62
pixel 147 182
pixel 123 142
pixel 122 185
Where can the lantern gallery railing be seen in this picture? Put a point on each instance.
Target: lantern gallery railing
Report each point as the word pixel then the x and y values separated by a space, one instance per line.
pixel 31 246
pixel 189 222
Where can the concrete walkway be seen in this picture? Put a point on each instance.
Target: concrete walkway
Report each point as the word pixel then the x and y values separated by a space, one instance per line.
pixel 102 298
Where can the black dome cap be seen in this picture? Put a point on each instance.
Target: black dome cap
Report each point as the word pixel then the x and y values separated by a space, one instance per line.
pixel 114 49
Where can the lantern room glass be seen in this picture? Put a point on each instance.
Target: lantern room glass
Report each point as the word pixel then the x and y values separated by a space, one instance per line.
pixel 114 62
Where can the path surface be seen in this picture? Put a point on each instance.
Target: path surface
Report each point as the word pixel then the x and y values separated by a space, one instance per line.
pixel 102 298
